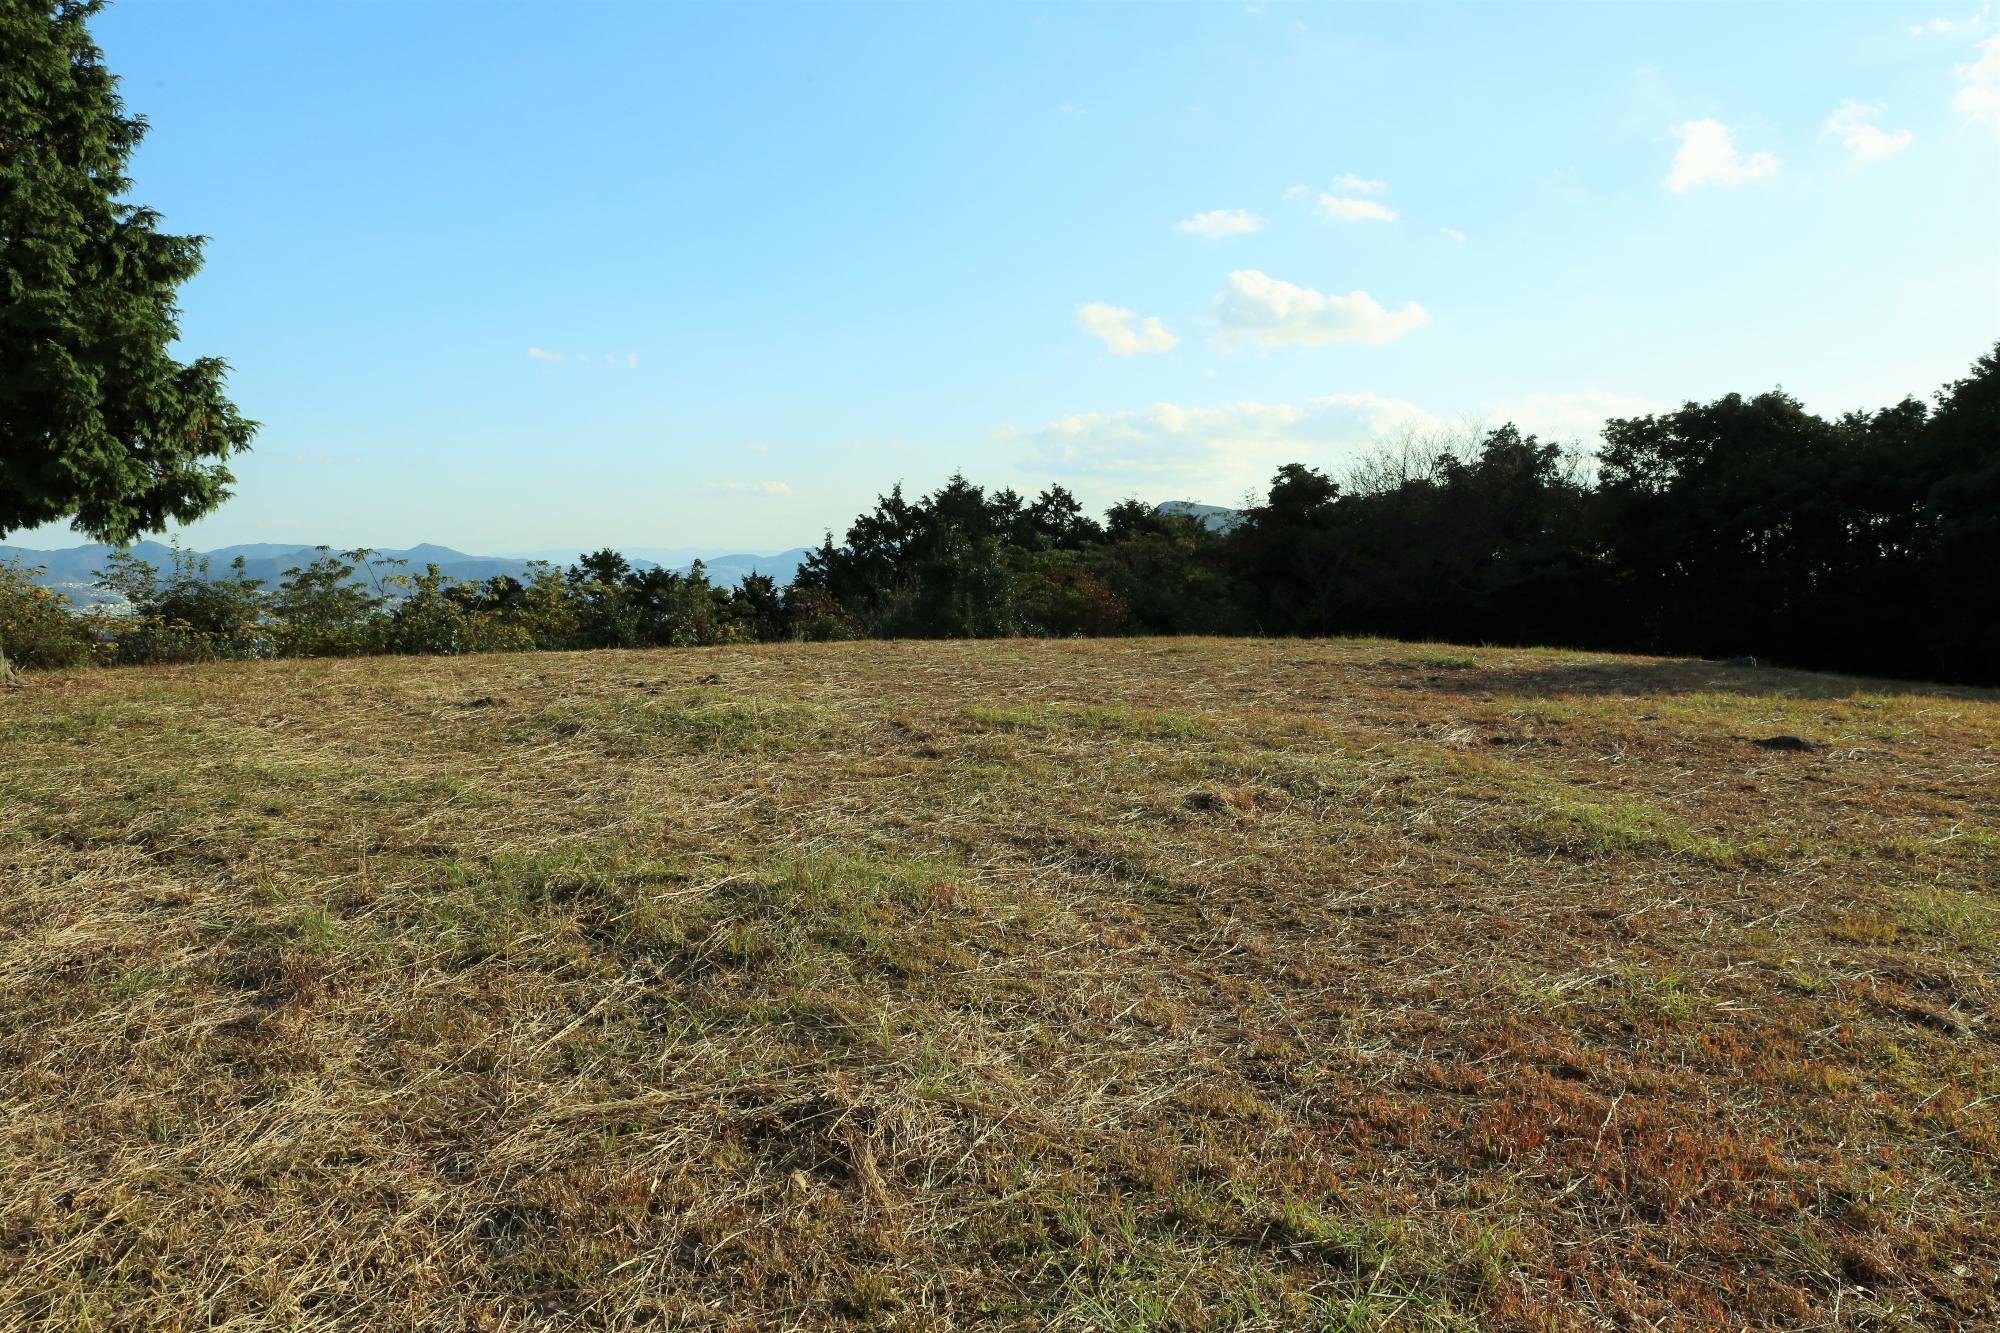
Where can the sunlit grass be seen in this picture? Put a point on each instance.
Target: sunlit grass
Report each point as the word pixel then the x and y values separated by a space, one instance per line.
pixel 1144 985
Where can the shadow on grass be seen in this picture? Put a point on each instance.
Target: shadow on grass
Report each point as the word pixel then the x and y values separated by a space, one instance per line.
pixel 1636 679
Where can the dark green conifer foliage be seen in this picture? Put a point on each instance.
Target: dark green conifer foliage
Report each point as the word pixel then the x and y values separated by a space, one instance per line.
pixel 99 423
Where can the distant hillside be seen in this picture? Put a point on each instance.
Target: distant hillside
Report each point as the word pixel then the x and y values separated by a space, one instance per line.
pixel 1212 516
pixel 73 570
pixel 730 570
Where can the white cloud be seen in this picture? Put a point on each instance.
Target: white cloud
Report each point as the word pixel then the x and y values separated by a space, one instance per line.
pixel 1257 308
pixel 1359 185
pixel 1347 200
pixel 1114 325
pixel 1355 210
pixel 1220 451
pixel 1344 199
pixel 1220 222
pixel 1453 233
pixel 1947 26
pixel 1223 451
pixel 751 487
pixel 629 360
pixel 1978 98
pixel 1708 156
pixel 757 446
pixel 1854 122
pixel 1569 417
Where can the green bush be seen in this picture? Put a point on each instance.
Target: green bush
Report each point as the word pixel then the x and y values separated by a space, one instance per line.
pixel 185 617
pixel 438 618
pixel 321 611
pixel 1060 594
pixel 39 628
pixel 816 616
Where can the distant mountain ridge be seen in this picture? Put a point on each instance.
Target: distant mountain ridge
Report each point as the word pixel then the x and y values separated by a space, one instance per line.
pixel 73 570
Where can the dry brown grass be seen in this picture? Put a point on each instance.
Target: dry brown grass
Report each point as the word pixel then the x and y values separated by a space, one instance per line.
pixel 1121 985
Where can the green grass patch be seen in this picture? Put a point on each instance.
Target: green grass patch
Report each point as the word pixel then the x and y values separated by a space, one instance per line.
pixel 1627 828
pixel 699 724
pixel 1141 723
pixel 1968 920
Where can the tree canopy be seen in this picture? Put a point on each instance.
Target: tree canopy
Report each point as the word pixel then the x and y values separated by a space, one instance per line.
pixel 99 423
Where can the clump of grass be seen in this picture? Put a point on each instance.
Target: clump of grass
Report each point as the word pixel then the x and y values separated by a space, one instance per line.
pixel 698 724
pixel 1620 828
pixel 1118 720
pixel 1865 929
pixel 1969 920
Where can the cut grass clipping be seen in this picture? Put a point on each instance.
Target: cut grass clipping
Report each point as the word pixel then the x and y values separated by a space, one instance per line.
pixel 1112 985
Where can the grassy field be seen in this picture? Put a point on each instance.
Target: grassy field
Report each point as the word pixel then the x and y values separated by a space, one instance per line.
pixel 1113 985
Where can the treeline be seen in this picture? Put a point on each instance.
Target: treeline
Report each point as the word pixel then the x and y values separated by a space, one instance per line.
pixel 356 603
pixel 1739 527
pixel 1743 526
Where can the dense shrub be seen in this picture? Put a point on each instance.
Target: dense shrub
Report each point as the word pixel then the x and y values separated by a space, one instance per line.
pixel 432 620
pixel 322 610
pixel 1061 593
pixel 814 615
pixel 184 615
pixel 38 627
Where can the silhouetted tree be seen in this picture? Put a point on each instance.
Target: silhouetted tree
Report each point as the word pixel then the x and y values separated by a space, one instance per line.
pixel 1290 553
pixel 1722 521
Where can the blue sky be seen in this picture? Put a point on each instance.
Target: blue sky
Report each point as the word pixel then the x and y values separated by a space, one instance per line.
pixel 516 277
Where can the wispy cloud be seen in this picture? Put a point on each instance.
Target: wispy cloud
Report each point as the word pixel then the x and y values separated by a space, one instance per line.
pixel 622 360
pixel 1122 331
pixel 1708 156
pixel 750 487
pixel 1453 233
pixel 1350 199
pixel 1855 124
pixel 1350 184
pixel 1226 450
pixel 1220 451
pixel 1349 209
pixel 1978 97
pixel 1220 222
pixel 1254 307
pixel 1576 418
pixel 1946 27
